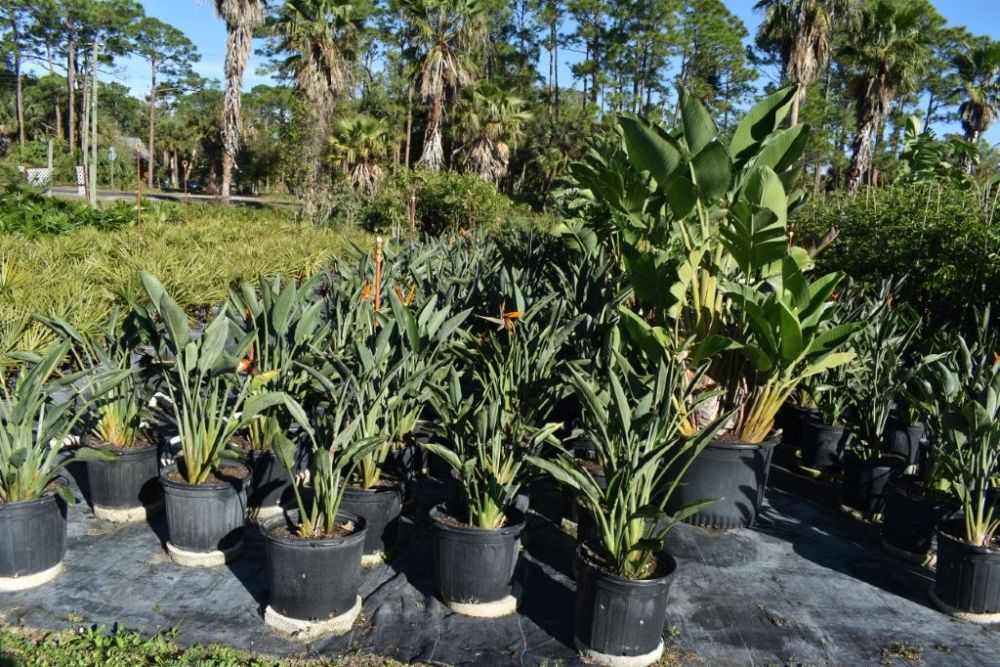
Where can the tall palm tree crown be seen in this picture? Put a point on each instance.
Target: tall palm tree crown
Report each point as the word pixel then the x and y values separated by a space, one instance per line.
pixel 802 30
pixel 492 119
pixel 979 71
pixel 320 38
pixel 450 31
pixel 887 51
pixel 358 144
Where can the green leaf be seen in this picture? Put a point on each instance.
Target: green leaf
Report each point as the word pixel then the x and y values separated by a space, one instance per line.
pixel 763 119
pixel 783 148
pixel 827 362
pixel 213 343
pixel 764 189
pixel 712 171
pixel 649 148
pixel 449 456
pixel 699 128
pixel 791 334
pixel 91 454
pixel 173 316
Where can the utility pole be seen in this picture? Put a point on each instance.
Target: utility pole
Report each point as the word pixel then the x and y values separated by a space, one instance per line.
pixel 93 126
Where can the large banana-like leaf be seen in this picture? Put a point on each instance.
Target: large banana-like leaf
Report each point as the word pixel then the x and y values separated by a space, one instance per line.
pixel 764 118
pixel 699 128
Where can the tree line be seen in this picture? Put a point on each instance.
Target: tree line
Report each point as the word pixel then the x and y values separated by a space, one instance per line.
pixel 509 90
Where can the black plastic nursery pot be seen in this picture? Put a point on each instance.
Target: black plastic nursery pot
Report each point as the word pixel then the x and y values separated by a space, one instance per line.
pixel 823 445
pixel 967 577
pixel 125 484
pixel 733 472
pixel 615 616
pixel 793 419
pixel 206 517
pixel 912 517
pixel 865 482
pixel 313 579
pixel 32 541
pixel 268 484
pixel 380 508
pixel 906 440
pixel 474 565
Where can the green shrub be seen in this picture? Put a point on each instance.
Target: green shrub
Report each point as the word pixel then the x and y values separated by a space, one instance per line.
pixel 445 202
pixel 940 237
pixel 26 211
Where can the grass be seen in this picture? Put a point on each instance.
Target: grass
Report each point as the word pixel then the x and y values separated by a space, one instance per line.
pixel 196 252
pixel 97 646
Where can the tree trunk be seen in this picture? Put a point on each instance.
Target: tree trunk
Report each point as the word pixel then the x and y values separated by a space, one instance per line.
pixel 861 155
pixel 930 110
pixel 227 174
pixel 85 122
pixel 71 90
pixel 552 67
pixel 152 126
pixel 409 122
pixel 433 153
pixel 793 110
pixel 555 79
pixel 239 42
pixel 175 181
pixel 19 95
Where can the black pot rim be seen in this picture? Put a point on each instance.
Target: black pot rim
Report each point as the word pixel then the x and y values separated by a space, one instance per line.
pixel 270 527
pixel 394 488
pixel 124 452
pixel 44 498
pixel 944 534
pixel 767 443
pixel 515 522
pixel 216 485
pixel 663 556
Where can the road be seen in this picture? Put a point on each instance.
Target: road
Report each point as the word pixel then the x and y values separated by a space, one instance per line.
pixel 70 192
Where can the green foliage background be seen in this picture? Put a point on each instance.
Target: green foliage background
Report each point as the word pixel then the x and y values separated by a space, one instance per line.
pixel 946 241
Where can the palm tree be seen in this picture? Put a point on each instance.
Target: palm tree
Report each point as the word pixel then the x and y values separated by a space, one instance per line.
pixel 357 145
pixel 449 32
pixel 490 118
pixel 887 50
pixel 241 17
pixel 801 31
pixel 979 73
pixel 320 37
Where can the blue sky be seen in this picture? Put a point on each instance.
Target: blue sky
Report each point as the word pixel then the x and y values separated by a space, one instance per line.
pixel 199 22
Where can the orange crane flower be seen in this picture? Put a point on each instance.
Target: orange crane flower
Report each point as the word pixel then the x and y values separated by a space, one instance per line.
pixel 506 318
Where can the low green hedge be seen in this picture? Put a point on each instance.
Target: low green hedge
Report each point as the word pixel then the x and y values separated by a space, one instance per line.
pixel 197 253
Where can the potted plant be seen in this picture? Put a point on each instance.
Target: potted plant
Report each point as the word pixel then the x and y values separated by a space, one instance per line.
pixel 124 486
pixel 825 437
pixel 314 554
pixel 476 541
pixel 209 402
pixel 715 279
pixel 35 429
pixel 882 375
pixel 967 573
pixel 640 427
pixel 285 325
pixel 391 372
